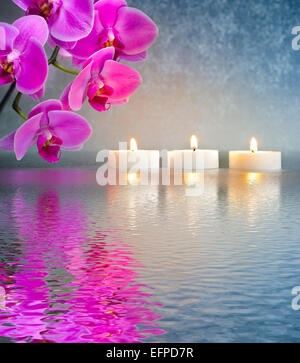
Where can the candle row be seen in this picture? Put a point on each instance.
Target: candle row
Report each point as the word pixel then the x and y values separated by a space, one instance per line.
pixel 194 159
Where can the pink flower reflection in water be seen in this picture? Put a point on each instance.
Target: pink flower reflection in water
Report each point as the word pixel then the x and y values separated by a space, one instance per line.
pixel 69 286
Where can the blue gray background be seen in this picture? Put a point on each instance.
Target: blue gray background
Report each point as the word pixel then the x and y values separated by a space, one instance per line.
pixel 223 69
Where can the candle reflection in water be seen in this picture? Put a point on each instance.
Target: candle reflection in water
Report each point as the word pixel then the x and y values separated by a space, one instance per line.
pixel 254 194
pixel 198 189
pixel 133 178
pixel 193 179
pixel 136 198
pixel 69 286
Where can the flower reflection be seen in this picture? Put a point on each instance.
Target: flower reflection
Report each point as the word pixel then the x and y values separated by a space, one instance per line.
pixel 2 298
pixel 69 286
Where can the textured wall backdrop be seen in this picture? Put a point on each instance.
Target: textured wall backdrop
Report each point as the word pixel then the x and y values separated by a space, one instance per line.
pixel 222 69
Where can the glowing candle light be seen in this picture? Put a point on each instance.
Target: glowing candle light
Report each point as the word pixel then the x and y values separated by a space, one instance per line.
pixel 254 159
pixel 133 160
pixel 253 145
pixel 194 143
pixel 193 160
pixel 133 145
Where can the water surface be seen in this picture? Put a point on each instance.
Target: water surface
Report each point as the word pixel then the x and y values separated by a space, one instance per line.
pixel 84 263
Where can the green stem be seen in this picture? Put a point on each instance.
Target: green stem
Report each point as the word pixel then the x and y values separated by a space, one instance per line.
pixel 53 60
pixel 7 95
pixel 64 69
pixel 54 55
pixel 16 106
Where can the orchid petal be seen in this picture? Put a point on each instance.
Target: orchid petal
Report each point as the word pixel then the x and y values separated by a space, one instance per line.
pixel 78 89
pixel 93 89
pixel 51 153
pixel 73 129
pixel 87 46
pixel 23 4
pixel 8 34
pixel 121 78
pixel 73 21
pixel 108 10
pixel 61 44
pixel 31 26
pixel 78 62
pixel 64 98
pixel 7 142
pixel 5 77
pixel 99 103
pixel 141 57
pixel 38 96
pixel 136 31
pixel 34 68
pixel 2 39
pixel 99 59
pixel 45 107
pixel 25 136
pixel 63 53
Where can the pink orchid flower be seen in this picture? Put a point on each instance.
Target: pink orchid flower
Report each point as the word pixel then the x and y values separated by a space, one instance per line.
pixel 127 29
pixel 68 20
pixel 52 129
pixel 104 81
pixel 22 56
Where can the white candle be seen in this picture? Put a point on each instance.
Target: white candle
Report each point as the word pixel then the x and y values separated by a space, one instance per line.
pixel 254 159
pixel 193 160
pixel 133 160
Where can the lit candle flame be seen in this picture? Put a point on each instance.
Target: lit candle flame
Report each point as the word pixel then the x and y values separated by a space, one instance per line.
pixel 133 145
pixel 253 145
pixel 194 143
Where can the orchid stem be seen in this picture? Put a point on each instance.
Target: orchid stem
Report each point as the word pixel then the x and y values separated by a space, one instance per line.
pixel 7 95
pixel 54 55
pixel 64 69
pixel 53 60
pixel 16 106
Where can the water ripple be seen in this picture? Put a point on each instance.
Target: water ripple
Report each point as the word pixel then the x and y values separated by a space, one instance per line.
pixel 83 263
